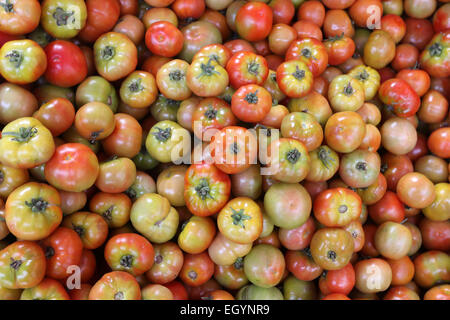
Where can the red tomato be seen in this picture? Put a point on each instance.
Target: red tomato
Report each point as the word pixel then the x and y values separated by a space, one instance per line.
pixel 254 21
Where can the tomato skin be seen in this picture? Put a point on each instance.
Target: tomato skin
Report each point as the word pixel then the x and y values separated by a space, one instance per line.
pixel 435 58
pixel 129 252
pixel 92 229
pixel 332 248
pixel 441 18
pixel 264 265
pixel 431 268
pixel 164 39
pixel 439 142
pixel 441 292
pixel 28 271
pixel 344 131
pixel 310 51
pixel 35 202
pixel 251 103
pixel 254 21
pixel 246 67
pixel 22 17
pixel 435 234
pixel 388 208
pixel 74 167
pixel 63 248
pixel 197 269
pixel 197 234
pixel 294 78
pixel 338 281
pixel 302 265
pixel 168 263
pixel 116 285
pixel 101 18
pixel 398 94
pixel 67 65
pixel 57 115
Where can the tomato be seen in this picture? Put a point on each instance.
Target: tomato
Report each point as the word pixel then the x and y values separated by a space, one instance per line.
pixel 356 230
pixel 63 20
pixel 47 289
pixel 197 35
pixel 164 39
pixel 254 21
pixel 416 190
pixel 312 11
pixel 196 235
pixel 402 270
pixel 19 17
pixel 440 292
pixel 440 18
pixel 393 240
pixel 434 58
pixel 101 17
pixel 310 51
pixel 346 93
pixel 379 49
pixel 129 252
pixel 167 263
pixel 22 61
pixel 372 275
pixel 178 290
pixel 240 220
pixel 22 265
pixel 435 234
pixel 197 269
pixel 397 94
pixel 434 107
pixel 313 103
pixel 114 208
pixel 139 89
pixel 438 142
pixel 337 207
pixel 125 140
pixel 218 20
pixel 302 265
pixel 418 32
pixel 73 167
pixel 280 38
pixel 398 136
pixel 369 78
pixel 115 56
pixel 62 248
pixel 431 268
pixel 91 228
pixel 251 103
pixel 388 208
pixel 156 292
pixel 307 29
pixel 339 281
pixel 432 167
pixel 294 78
pixel 331 248
pixel 344 131
pixel 246 67
pixel 57 115
pixel 171 80
pixel 10 179
pixel 206 77
pixel 264 265
pixel 439 209
pixel 225 252
pixel 97 89
pixel 170 184
pixel 287 205
pixel 359 168
pixel 15 102
pixel 39 203
pixel 26 143
pixel 116 285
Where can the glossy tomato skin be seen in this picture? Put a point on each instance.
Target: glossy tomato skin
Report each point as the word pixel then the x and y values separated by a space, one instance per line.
pixel 254 21
pixel 432 267
pixel 302 265
pixel 247 68
pixel 251 103
pixel 129 252
pixel 435 57
pixel 101 18
pixel 338 281
pixel 74 167
pixel 63 248
pixel 67 65
pixel 164 39
pixel 398 94
pixel 20 17
pixel 57 115
pixel 197 269
pixel 116 285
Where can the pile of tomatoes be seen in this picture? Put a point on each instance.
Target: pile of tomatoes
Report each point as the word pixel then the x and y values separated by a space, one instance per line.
pixel 101 100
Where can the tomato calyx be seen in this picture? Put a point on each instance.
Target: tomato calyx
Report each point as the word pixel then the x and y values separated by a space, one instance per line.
pixel 331 255
pixel 336 38
pixel 107 215
pixel 163 134
pixel 8 6
pixel 15 58
pixel 383 167
pixel 253 68
pixel 435 49
pixel 298 74
pixel 211 113
pixel 348 89
pixel 2 177
pixel 239 217
pixel 239 263
pixel 131 193
pixel 293 155
pixel 158 259
pixel 342 208
pixel 136 85
pixel 203 189
pixel 324 156
pixel 15 264
pixel 176 75
pixel 234 148
pixel 363 75
pixel 24 134
pixel 361 166
pixel 37 205
pixel 78 229
pixel 49 252
pixel 119 296
pixel 192 275
pixel 207 69
pixel 94 135
pixel 61 16
pixel 306 53
pixel 126 261
pixel 252 97
pixel 108 53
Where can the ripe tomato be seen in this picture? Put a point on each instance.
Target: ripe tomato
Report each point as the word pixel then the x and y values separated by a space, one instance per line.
pixel 126 139
pixel 164 39
pixel 439 142
pixel 344 131
pixel 129 252
pixel 398 94
pixel 302 265
pixel 310 51
pixel 435 57
pixel 431 268
pixel 197 269
pixel 116 285
pixel 303 127
pixel 294 78
pixel 251 103
pixel 388 208
pixel 47 289
pixel 379 49
pixel 339 48
pixel 101 18
pixel 63 248
pixel 337 207
pixel 57 115
pixel 197 234
pixel 22 265
pixel 91 228
pixel 254 21
pixel 247 68
pixel 372 275
pixel 19 17
pixel 332 248
pixel 338 281
pixel 225 252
